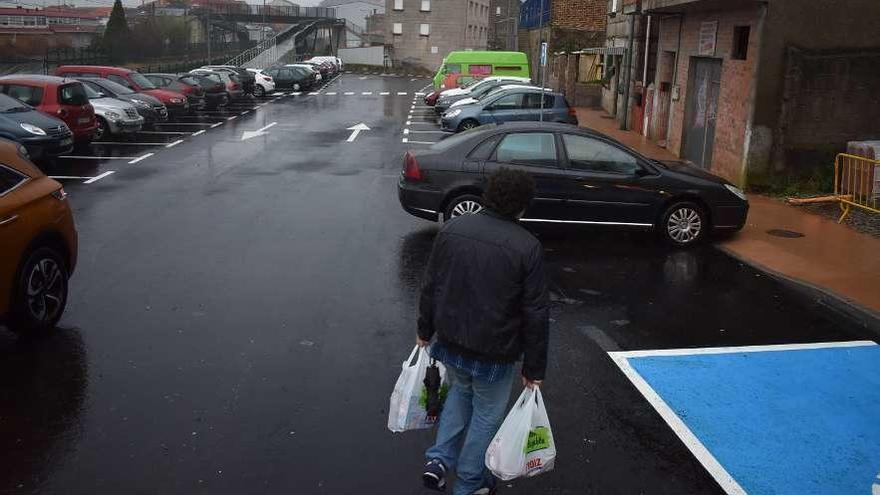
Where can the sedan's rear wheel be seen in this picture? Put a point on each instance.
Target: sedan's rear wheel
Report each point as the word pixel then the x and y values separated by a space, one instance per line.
pixel 466 204
pixel 683 224
pixel 40 292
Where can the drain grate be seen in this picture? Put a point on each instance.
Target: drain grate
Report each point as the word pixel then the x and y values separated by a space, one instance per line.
pixel 788 234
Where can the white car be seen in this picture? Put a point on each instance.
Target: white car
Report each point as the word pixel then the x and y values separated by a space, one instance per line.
pixel 478 83
pixel 333 60
pixel 263 83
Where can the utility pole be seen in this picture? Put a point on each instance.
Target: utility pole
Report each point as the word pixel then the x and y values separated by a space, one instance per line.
pixel 208 32
pixel 544 55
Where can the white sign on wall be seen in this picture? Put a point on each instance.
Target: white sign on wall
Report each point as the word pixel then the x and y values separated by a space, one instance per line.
pixel 708 36
pixel 434 49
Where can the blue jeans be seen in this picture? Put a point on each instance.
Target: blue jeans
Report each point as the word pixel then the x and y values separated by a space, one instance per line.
pixel 471 416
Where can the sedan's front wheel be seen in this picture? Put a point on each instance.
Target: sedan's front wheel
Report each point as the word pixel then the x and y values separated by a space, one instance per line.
pixel 467 125
pixel 466 204
pixel 259 92
pixel 683 224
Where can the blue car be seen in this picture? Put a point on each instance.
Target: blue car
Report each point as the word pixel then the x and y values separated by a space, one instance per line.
pixel 510 104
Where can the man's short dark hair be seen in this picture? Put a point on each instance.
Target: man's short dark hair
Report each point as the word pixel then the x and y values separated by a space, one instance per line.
pixel 509 192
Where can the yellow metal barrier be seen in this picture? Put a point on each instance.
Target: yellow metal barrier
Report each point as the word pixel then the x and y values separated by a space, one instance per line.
pixel 856 183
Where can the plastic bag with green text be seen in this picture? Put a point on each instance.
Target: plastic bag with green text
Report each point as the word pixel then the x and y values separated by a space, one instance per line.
pixel 524 444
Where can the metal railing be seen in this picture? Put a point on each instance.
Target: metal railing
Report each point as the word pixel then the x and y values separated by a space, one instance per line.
pixel 856 183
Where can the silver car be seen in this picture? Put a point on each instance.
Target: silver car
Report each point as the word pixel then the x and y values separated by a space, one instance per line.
pixel 114 116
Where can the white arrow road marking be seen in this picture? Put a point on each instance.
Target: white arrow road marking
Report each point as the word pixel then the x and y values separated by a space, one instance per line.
pixel 355 130
pixel 259 132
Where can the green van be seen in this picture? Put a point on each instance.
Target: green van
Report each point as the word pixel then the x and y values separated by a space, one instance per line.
pixel 461 67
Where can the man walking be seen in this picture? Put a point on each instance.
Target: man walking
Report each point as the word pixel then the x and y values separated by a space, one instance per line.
pixel 485 298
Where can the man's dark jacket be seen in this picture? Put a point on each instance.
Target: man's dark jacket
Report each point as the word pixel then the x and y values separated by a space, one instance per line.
pixel 485 292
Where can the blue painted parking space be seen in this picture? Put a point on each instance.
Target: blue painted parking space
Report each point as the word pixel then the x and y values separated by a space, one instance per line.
pixel 788 419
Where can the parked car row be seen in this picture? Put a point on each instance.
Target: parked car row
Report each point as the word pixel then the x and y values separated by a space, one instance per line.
pixel 49 115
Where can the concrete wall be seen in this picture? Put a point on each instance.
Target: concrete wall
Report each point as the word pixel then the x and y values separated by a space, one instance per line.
pixel 818 80
pixel 452 22
pixel 370 55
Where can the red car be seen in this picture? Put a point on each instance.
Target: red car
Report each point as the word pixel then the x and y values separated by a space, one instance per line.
pixel 56 96
pixel 431 98
pixel 175 102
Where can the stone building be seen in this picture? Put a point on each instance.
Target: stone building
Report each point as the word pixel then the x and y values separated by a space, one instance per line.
pixel 752 88
pixel 421 32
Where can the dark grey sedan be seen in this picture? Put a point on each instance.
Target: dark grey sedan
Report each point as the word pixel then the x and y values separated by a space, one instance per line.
pixel 582 177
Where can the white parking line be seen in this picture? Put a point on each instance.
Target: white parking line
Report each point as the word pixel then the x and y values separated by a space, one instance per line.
pixel 199 124
pixel 277 93
pixel 245 112
pixel 99 177
pixel 424 122
pixel 384 93
pixel 405 132
pixel 419 93
pixel 173 144
pixel 77 157
pixel 218 124
pixel 313 93
pixel 198 133
pixel 349 93
pixel 232 118
pixel 366 93
pixel 296 93
pixel 407 141
pixel 142 157
pixel 68 177
pixel 429 132
pixel 123 143
pixel 331 93
pixel 401 93
pixel 169 133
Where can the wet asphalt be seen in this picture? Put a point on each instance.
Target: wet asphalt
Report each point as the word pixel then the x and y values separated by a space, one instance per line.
pixel 241 308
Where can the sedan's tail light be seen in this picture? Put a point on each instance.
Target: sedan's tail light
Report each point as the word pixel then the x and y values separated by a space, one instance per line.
pixel 268 79
pixel 411 169
pixel 572 112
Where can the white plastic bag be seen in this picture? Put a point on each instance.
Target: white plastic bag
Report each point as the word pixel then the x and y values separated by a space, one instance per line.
pixel 524 444
pixel 406 410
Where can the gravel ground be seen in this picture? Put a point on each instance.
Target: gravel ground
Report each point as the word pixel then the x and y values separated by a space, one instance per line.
pixel 862 221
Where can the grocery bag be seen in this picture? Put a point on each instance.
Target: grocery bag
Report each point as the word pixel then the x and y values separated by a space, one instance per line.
pixel 524 444
pixel 407 408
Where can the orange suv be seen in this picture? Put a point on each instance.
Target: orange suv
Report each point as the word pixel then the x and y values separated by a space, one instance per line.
pixel 39 247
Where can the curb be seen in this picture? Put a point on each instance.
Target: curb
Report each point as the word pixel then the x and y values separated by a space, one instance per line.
pixel 841 306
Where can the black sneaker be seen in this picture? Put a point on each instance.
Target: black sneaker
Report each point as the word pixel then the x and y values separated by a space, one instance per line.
pixel 434 476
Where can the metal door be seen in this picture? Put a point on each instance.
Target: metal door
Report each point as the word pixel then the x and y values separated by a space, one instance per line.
pixel 702 109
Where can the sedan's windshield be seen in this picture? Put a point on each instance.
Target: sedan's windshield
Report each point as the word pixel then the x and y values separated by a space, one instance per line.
pixel 9 104
pixel 142 81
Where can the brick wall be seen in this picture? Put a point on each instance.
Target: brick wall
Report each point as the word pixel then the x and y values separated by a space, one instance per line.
pixel 735 92
pixel 587 15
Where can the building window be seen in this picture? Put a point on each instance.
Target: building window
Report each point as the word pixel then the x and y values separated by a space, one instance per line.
pixel 398 4
pixel 740 43
pixel 614 5
pixel 426 6
pixel 497 10
pixel 424 29
pixel 397 28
